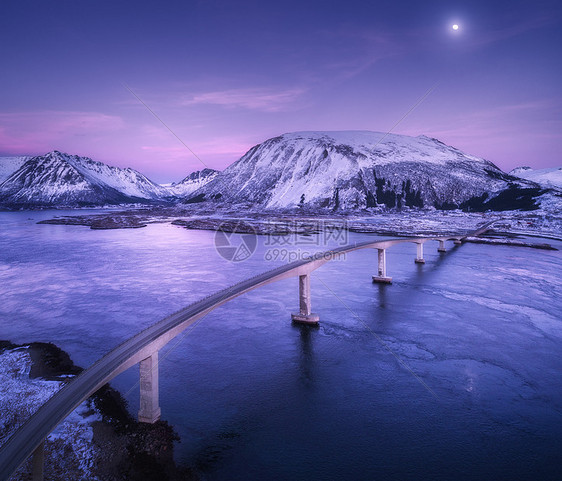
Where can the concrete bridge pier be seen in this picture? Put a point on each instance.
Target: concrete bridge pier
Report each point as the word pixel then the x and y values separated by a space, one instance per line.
pixel 419 256
pixel 457 242
pixel 441 247
pixel 305 315
pixel 149 411
pixel 38 462
pixel 381 276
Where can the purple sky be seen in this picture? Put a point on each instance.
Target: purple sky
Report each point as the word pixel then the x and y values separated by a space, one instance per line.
pixel 225 76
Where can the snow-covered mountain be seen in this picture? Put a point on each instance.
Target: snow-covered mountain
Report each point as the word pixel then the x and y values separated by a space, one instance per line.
pixel 546 177
pixel 8 165
pixel 69 180
pixel 359 169
pixel 192 182
pixel 349 170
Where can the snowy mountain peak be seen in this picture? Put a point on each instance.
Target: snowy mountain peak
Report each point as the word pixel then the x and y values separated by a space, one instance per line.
pixel 549 178
pixel 57 178
pixel 350 170
pixel 192 182
pixel 199 174
pixel 518 170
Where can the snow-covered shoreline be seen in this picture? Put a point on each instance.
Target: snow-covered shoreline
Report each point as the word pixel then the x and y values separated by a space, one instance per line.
pixel 408 222
pixel 70 446
pixel 99 440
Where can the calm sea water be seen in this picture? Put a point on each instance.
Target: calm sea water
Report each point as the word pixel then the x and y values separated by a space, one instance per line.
pixel 452 372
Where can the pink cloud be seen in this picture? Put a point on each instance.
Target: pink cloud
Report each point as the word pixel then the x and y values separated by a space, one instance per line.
pixel 38 132
pixel 217 153
pixel 369 48
pixel 262 99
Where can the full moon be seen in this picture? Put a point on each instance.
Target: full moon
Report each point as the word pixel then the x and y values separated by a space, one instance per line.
pixel 455 27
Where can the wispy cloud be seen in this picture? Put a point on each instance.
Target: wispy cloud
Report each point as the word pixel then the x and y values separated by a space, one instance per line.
pixel 344 53
pixel 508 28
pixel 261 99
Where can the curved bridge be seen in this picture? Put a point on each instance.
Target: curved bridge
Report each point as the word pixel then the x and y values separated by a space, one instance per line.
pixel 143 348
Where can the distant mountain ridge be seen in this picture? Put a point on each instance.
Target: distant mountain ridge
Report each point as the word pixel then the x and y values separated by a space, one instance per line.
pixel 551 177
pixel 192 182
pixel 59 179
pixel 310 171
pixel 354 170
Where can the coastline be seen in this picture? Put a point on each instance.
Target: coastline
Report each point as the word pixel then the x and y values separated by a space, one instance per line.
pixel 508 227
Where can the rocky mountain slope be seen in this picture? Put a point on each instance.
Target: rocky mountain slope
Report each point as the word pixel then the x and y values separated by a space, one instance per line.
pixel 58 179
pixel 192 182
pixel 354 170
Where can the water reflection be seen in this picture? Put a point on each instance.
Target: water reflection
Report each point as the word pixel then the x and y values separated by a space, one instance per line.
pixel 305 350
pixel 382 295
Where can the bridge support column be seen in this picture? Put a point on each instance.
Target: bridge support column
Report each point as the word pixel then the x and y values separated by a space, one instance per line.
pixel 305 316
pixel 149 411
pixel 38 461
pixel 441 247
pixel 419 257
pixel 457 242
pixel 381 276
